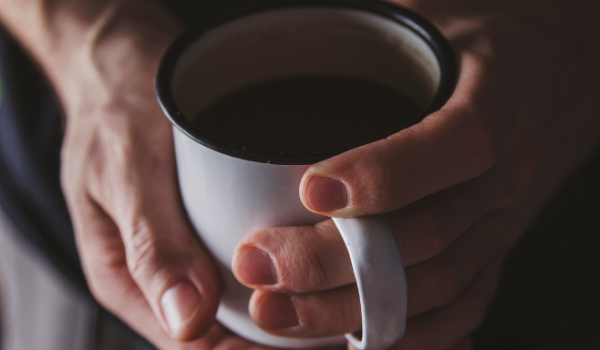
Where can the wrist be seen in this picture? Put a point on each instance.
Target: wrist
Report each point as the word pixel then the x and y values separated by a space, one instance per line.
pixel 119 50
pixel 86 47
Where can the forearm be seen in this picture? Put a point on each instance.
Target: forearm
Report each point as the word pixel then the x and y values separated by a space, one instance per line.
pixel 71 39
pixel 51 30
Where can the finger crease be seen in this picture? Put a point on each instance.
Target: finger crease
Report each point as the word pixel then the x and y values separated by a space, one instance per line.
pixel 322 269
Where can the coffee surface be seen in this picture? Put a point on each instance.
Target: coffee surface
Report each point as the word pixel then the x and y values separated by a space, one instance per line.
pixel 307 114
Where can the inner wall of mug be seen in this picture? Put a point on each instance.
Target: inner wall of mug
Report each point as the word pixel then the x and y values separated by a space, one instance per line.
pixel 303 41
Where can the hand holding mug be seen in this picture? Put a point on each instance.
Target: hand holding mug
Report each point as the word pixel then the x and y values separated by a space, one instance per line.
pixel 522 118
pixel 458 189
pixel 236 171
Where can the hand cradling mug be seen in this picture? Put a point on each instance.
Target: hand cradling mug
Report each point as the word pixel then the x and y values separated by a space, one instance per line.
pixel 258 93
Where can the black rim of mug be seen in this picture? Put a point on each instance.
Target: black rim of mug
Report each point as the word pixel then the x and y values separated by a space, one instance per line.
pixel 403 16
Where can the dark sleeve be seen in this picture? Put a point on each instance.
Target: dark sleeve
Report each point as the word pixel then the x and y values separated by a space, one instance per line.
pixel 30 141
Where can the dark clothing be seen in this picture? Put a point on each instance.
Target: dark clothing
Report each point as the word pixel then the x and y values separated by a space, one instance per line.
pixel 553 267
pixel 30 190
pixel 30 141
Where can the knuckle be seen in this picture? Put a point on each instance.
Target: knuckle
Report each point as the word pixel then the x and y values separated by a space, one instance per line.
pixel 318 272
pixel 145 253
pixel 306 270
pixel 380 187
pixel 326 266
pixel 380 178
pixel 366 189
pixel 140 256
pixel 305 256
pixel 322 268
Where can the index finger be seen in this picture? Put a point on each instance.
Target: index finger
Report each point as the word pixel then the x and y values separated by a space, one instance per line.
pixel 455 144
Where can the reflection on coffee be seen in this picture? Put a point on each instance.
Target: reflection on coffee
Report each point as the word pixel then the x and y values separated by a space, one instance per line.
pixel 307 114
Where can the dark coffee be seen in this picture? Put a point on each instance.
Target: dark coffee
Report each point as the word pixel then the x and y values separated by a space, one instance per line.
pixel 307 114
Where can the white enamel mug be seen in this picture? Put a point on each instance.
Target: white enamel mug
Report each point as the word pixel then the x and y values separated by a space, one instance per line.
pixel 230 191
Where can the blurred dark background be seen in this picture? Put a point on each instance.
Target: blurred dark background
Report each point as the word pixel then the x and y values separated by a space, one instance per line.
pixel 549 293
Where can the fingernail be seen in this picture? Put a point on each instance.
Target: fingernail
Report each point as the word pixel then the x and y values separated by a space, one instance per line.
pixel 179 305
pixel 325 194
pixel 277 311
pixel 254 266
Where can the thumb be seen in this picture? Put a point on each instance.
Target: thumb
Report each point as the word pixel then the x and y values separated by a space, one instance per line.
pixel 163 254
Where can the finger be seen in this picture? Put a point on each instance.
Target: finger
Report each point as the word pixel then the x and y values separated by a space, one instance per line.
pixel 294 259
pixel 453 145
pixel 331 312
pixel 337 311
pixel 308 259
pixel 440 328
pixel 103 260
pixel 441 279
pixel 429 226
pixel 313 258
pixel 171 268
pixel 163 254
pixel 431 284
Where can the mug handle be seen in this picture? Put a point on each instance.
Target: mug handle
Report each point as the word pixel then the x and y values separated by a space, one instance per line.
pixel 380 279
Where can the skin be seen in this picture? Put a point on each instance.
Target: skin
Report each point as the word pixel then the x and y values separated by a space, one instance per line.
pixel 458 189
